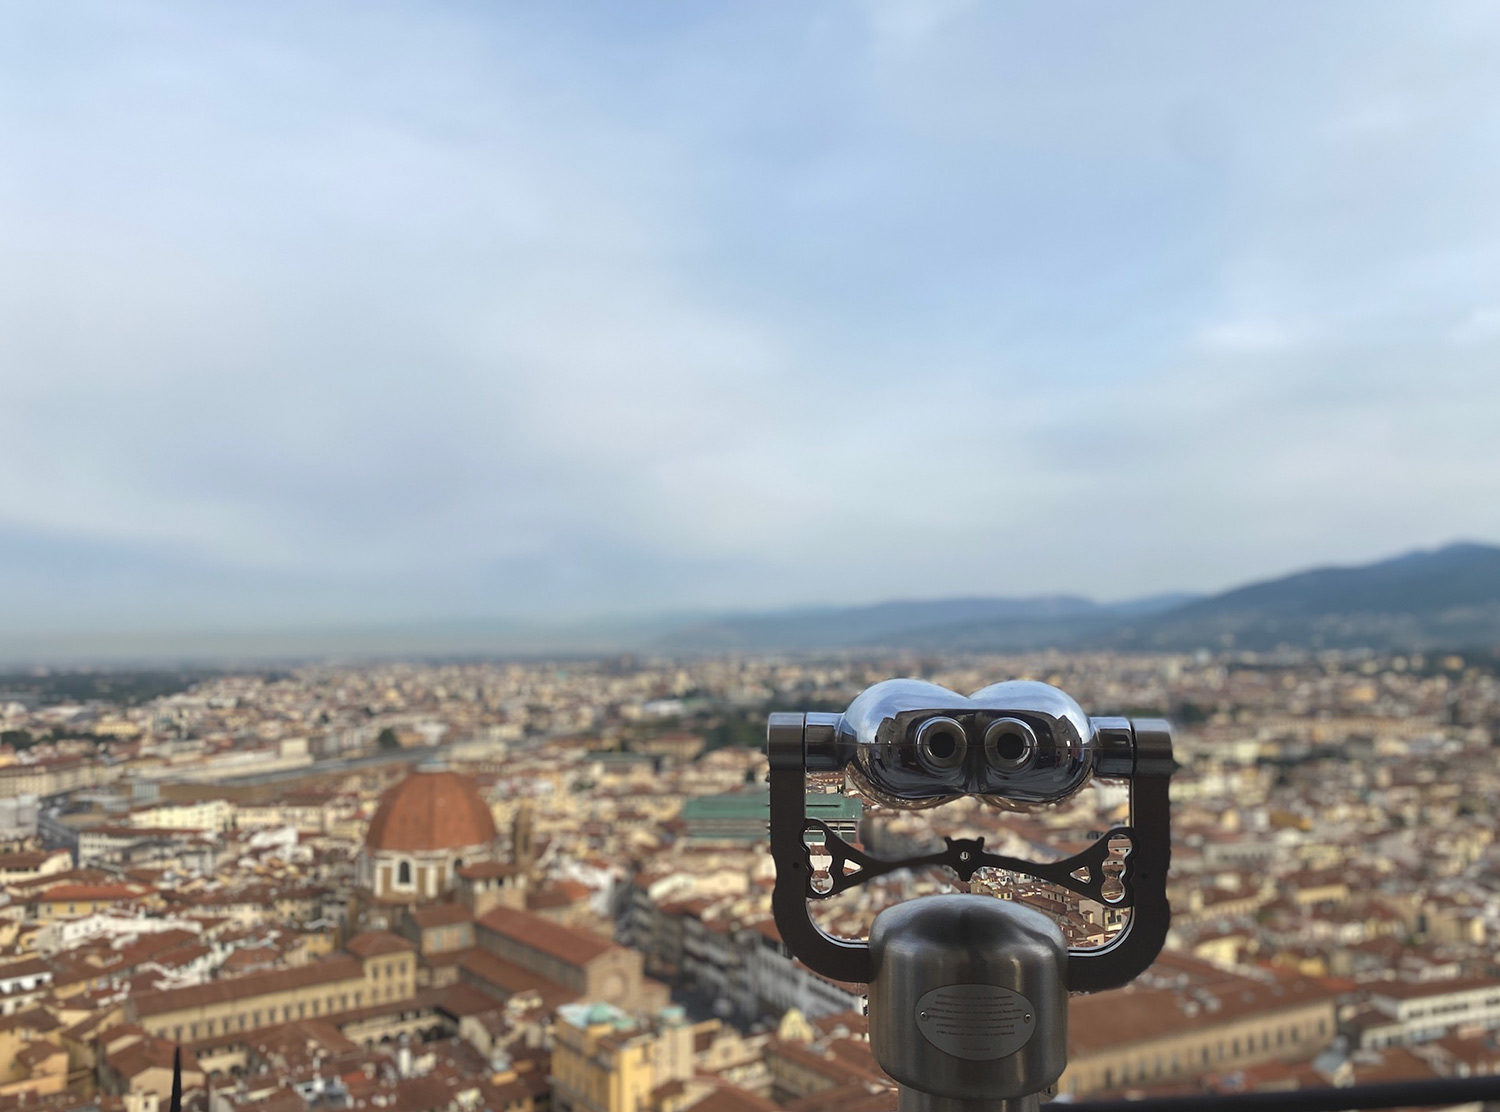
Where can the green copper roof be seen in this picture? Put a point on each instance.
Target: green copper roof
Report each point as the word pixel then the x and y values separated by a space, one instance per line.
pixel 754 805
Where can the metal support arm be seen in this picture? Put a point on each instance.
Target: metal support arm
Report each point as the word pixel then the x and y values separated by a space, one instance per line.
pixel 1142 874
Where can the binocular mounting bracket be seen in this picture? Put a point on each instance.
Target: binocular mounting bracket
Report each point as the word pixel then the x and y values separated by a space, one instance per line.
pixel 1126 867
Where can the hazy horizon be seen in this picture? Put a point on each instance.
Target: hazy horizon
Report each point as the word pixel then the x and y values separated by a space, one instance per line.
pixel 352 317
pixel 495 635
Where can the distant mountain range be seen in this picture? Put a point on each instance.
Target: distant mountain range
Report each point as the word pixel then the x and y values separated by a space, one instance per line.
pixel 1448 598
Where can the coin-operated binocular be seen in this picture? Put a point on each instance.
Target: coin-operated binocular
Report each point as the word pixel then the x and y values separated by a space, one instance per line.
pixel 969 994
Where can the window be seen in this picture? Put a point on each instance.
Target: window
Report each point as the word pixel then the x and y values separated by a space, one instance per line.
pixel 403 874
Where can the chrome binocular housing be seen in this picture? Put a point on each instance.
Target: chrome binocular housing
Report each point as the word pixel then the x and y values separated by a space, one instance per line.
pixel 909 743
pixel 1017 745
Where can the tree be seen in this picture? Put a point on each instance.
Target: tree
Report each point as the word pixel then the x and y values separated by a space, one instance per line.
pixel 387 739
pixel 17 739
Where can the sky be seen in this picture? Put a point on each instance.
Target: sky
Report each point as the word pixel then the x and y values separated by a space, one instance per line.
pixel 343 313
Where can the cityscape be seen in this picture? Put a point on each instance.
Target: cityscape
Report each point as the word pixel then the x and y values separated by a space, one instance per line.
pixel 546 885
pixel 518 523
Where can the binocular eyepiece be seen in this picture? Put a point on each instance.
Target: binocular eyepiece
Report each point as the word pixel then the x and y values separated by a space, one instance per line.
pixel 908 743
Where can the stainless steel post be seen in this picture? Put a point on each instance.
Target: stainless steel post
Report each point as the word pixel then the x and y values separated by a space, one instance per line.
pixel 968 1003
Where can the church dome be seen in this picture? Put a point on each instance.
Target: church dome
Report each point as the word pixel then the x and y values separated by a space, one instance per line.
pixel 431 811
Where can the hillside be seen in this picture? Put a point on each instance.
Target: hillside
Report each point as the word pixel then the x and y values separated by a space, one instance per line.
pixel 1443 598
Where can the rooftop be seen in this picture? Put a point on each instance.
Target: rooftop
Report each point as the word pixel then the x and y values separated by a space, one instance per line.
pixel 431 811
pixel 571 946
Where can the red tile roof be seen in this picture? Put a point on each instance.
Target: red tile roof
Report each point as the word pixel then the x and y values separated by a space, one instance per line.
pixel 509 979
pixel 370 944
pixel 441 915
pixel 256 984
pixel 84 893
pixel 431 811
pixel 575 947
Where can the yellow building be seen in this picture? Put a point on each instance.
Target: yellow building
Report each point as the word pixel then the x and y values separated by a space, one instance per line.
pixel 73 900
pixel 52 777
pixel 115 726
pixel 38 1068
pixel 377 969
pixel 143 1067
pixel 31 864
pixel 32 1058
pixel 603 1060
pixel 206 814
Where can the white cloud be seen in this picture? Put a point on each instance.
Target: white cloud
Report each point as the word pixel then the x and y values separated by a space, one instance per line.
pixel 504 312
pixel 1481 325
pixel 1250 337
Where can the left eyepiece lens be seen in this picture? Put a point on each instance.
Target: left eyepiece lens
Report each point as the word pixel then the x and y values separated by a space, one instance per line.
pixel 941 744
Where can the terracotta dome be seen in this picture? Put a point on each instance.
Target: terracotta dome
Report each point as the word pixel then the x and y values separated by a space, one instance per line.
pixel 431 811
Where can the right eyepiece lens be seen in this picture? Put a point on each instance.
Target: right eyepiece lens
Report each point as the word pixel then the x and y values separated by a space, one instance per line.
pixel 941 743
pixel 1009 744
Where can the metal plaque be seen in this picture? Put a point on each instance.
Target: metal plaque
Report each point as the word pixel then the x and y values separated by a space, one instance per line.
pixel 977 1022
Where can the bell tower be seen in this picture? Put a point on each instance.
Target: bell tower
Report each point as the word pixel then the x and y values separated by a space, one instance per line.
pixel 523 837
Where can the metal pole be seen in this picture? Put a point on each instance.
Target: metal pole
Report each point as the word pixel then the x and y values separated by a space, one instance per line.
pixel 968 1003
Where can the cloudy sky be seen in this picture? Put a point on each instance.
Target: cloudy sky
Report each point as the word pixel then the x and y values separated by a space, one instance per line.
pixel 321 312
